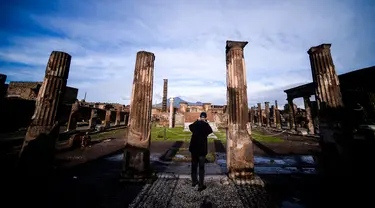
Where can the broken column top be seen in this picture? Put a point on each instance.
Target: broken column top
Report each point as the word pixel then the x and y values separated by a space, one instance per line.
pixel 235 44
pixel 165 80
pixel 146 53
pixel 267 102
pixel 319 48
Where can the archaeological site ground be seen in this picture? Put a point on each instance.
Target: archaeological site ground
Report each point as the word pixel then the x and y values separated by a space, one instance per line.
pixel 58 151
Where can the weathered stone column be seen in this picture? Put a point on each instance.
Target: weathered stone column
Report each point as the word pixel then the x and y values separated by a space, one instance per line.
pixel 118 117
pixel 183 107
pixel 252 112
pixel 138 138
pixel 206 107
pixel 267 111
pixel 126 118
pixel 260 117
pixel 72 123
pixel 327 84
pixel 93 118
pixel 171 108
pixel 278 116
pixel 240 158
pixel 292 124
pixel 310 125
pixel 165 94
pixel 107 121
pixel 50 95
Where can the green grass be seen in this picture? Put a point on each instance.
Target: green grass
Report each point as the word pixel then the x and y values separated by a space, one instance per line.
pixel 264 138
pixel 178 134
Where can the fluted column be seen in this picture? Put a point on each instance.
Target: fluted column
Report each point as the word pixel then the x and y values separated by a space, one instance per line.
pixel 240 159
pixel 50 96
pixel 138 138
pixel 292 124
pixel 327 84
pixel 278 117
pixel 171 112
pixel 260 117
pixel 118 117
pixel 267 111
pixel 165 94
pixel 72 123
pixel 310 125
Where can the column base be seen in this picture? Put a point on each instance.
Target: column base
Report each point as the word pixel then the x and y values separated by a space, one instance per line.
pixel 117 123
pixel 136 165
pixel 241 173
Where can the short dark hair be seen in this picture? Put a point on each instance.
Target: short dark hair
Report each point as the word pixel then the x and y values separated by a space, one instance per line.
pixel 203 115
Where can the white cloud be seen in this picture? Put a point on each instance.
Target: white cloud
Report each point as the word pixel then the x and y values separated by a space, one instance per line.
pixel 188 40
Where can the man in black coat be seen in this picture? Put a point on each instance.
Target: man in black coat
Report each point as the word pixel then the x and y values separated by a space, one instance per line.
pixel 198 148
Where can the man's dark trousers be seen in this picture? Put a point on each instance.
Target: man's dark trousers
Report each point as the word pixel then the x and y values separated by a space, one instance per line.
pixel 197 161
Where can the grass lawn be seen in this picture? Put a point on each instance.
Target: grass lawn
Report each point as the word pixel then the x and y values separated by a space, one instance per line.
pixel 264 138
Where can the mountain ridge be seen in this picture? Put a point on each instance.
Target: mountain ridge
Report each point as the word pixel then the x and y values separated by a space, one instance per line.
pixel 176 103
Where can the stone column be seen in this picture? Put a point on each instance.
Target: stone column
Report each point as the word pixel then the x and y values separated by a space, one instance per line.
pixel 206 107
pixel 49 100
pixel 118 117
pixel 72 123
pixel 292 124
pixel 278 116
pixel 183 107
pixel 240 158
pixel 126 118
pixel 93 118
pixel 107 121
pixel 327 84
pixel 165 94
pixel 260 118
pixel 138 138
pixel 171 112
pixel 267 111
pixel 273 109
pixel 252 115
pixel 310 125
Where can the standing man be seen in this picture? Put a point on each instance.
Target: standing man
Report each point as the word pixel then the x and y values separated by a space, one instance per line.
pixel 198 149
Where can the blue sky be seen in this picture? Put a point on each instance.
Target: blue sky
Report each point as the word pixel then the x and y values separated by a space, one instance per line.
pixel 188 40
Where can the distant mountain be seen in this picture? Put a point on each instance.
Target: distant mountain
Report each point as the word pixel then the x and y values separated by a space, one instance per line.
pixel 176 103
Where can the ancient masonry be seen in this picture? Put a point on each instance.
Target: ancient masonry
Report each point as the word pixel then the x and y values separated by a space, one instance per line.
pixel 72 123
pixel 137 145
pixel 292 113
pixel 278 118
pixel 240 161
pixel 327 88
pixel 267 111
pixel 260 118
pixel 50 96
pixel 165 94
pixel 324 76
pixel 118 117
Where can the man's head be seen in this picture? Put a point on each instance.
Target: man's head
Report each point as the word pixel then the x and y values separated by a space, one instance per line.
pixel 203 116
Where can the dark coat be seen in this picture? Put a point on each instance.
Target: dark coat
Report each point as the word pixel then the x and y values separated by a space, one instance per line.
pixel 198 143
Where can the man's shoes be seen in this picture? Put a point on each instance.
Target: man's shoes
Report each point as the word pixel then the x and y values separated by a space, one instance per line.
pixel 194 184
pixel 201 188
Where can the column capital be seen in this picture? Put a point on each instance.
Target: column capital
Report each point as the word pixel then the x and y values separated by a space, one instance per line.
pixel 235 44
pixel 314 49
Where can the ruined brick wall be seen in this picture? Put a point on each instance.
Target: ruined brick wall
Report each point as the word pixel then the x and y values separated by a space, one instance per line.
pixel 179 120
pixel 161 119
pixel 193 116
pixel 30 90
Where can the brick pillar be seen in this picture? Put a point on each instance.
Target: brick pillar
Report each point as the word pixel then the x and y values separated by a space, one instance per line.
pixel 292 114
pixel 93 118
pixel 107 120
pixel 278 117
pixel 118 117
pixel 183 107
pixel 267 111
pixel 310 125
pixel 138 136
pixel 72 123
pixel 240 159
pixel 260 118
pixel 171 113
pixel 126 118
pixel 165 94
